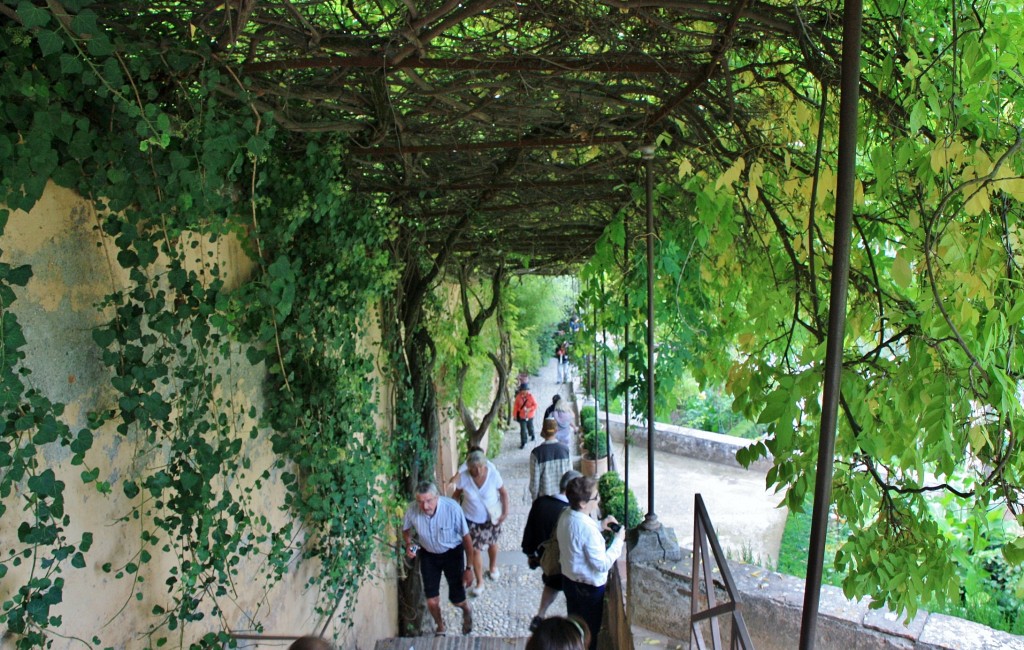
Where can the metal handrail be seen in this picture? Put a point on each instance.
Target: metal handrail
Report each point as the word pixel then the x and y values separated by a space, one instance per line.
pixel 703 585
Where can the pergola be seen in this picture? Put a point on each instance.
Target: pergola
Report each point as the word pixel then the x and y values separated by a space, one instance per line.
pixel 512 130
pixel 509 129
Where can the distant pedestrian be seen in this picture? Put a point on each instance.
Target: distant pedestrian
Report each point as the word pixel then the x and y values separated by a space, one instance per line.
pixel 566 421
pixel 485 503
pixel 548 461
pixel 540 523
pixel 524 409
pixel 558 633
pixel 584 560
pixel 443 536
pixel 562 355
pixel 551 407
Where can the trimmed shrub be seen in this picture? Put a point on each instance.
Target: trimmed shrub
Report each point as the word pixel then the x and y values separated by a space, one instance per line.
pixel 611 487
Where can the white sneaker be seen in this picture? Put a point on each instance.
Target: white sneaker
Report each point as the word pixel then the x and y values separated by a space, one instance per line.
pixel 476 591
pixel 494 574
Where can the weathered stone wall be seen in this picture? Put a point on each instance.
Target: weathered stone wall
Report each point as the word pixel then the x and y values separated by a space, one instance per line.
pixel 74 267
pixel 771 605
pixel 684 441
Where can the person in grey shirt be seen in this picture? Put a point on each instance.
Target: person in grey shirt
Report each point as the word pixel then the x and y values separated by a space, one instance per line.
pixel 444 548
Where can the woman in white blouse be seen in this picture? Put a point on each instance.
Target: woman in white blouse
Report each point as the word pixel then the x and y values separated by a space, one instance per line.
pixel 583 555
pixel 485 504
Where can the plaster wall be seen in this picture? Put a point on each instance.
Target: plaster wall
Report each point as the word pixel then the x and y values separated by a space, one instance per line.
pixel 74 266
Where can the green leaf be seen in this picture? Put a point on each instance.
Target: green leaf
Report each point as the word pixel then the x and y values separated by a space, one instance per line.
pixel 177 278
pixel 100 45
pixel 49 42
pixel 103 337
pixel 19 275
pixel 254 355
pixel 31 15
pixel 84 24
pixel 48 431
pixel 46 484
pixel 131 489
pixel 900 271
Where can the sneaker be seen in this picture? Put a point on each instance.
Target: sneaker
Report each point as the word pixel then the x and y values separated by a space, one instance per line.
pixel 476 591
pixel 494 574
pixel 535 623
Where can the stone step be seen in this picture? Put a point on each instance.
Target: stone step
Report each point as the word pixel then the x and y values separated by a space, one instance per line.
pixel 452 642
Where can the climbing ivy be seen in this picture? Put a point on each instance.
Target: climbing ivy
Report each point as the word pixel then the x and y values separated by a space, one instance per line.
pixel 173 168
pixel 31 424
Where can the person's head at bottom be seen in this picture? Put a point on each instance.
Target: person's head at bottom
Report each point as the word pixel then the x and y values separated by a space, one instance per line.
pixel 560 633
pixel 310 643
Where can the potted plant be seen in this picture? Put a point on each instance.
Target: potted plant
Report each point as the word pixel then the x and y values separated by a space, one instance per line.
pixel 588 419
pixel 594 452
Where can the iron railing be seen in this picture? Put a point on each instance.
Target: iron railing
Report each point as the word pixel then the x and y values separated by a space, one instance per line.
pixel 704 607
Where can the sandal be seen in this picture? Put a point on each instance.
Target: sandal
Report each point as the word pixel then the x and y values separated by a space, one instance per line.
pixel 440 633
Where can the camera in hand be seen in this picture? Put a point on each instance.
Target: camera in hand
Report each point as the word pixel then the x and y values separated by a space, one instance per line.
pixel 615 527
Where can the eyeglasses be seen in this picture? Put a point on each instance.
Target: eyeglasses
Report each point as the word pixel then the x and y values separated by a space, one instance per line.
pixel 596 497
pixel 579 628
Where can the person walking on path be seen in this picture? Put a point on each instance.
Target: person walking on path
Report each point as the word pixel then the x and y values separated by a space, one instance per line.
pixel 485 503
pixel 443 536
pixel 562 354
pixel 548 462
pixel 540 523
pixel 524 410
pixel 551 407
pixel 584 560
pixel 566 421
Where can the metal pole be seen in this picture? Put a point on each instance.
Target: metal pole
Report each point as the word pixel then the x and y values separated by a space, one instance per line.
pixel 849 88
pixel 651 519
pixel 593 382
pixel 604 362
pixel 625 375
pixel 625 407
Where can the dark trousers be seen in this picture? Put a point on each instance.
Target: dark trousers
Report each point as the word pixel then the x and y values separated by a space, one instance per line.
pixel 587 602
pixel 525 429
pixel 451 563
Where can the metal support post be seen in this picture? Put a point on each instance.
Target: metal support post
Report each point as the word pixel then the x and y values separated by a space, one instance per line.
pixel 849 87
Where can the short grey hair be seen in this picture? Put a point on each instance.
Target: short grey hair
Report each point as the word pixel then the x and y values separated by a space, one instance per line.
pixel 427 487
pixel 568 476
pixel 476 458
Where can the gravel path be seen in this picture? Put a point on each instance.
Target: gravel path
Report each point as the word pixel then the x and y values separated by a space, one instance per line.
pixel 507 604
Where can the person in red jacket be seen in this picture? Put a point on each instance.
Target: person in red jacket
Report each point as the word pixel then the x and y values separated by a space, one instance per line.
pixel 523 410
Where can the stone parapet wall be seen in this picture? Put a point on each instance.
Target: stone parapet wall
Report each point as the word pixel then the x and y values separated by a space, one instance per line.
pixel 771 605
pixel 684 441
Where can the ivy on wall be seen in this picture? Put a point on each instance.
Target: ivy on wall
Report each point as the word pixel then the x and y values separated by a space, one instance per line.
pixel 172 168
